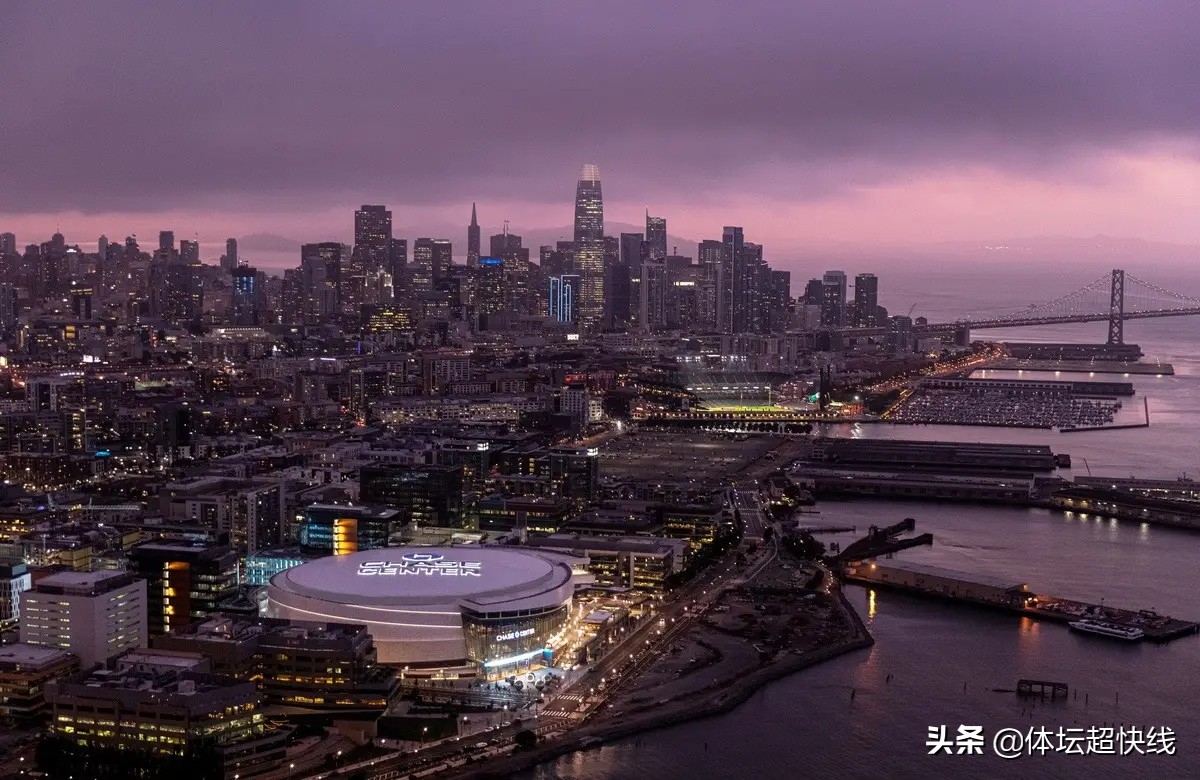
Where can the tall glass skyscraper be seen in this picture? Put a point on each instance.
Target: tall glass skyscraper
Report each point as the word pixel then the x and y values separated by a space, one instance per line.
pixel 589 247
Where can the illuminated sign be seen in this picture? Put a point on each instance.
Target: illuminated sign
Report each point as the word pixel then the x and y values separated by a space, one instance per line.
pixel 514 635
pixel 426 564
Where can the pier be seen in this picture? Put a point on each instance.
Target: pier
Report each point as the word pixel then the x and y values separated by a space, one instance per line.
pixel 1084 367
pixel 1009 595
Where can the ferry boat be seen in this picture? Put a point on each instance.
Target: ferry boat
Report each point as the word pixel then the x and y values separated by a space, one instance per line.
pixel 1104 628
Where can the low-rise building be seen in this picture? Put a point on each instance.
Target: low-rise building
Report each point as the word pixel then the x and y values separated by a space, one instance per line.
pixel 150 710
pixel 24 671
pixel 317 665
pixel 626 561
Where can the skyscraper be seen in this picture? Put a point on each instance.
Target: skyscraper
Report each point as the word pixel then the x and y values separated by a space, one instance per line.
pixel 833 306
pixel 8 244
pixel 473 240
pixel 166 240
pixel 866 300
pixel 189 252
pixel 735 311
pixel 656 237
pixel 372 239
pixel 420 273
pixel 490 285
pixel 623 302
pixel 589 247
pixel 101 247
pixel 399 262
pixel 245 296
pixel 229 260
pixel 713 285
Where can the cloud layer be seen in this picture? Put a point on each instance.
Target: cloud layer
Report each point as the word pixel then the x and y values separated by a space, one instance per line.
pixel 280 115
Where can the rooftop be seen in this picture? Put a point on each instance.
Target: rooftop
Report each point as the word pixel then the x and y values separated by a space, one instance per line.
pixel 989 580
pixel 83 583
pixel 21 654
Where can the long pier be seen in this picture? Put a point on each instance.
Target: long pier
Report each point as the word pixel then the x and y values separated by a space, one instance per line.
pixel 1009 596
pixel 1081 367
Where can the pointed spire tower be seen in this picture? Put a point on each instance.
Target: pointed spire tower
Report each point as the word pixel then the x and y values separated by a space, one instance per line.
pixel 473 240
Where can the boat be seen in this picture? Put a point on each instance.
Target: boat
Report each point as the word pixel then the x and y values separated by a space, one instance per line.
pixel 1104 628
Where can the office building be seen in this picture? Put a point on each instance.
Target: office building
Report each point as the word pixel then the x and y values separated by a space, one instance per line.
pixel 185 581
pixel 315 665
pixel 14 580
pixel 372 239
pixel 473 240
pixel 589 247
pixel 502 514
pixel 93 615
pixel 425 495
pixel 490 288
pixel 420 273
pixel 166 241
pixel 621 561
pixel 564 293
pixel 337 529
pixel 24 671
pixel 163 710
pixel 8 244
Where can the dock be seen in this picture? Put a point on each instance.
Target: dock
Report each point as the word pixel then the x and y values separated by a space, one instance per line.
pixel 826 529
pixel 1008 595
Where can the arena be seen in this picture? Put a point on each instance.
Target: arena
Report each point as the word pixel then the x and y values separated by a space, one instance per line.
pixel 457 610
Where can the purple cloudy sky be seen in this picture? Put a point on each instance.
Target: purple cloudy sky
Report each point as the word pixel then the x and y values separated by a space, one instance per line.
pixel 809 123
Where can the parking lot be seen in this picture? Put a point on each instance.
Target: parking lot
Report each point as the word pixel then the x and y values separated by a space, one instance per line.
pixel 686 455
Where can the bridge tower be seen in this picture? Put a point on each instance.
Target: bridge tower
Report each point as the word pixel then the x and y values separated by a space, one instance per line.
pixel 1116 308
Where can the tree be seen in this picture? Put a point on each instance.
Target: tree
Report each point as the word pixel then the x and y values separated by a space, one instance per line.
pixel 525 739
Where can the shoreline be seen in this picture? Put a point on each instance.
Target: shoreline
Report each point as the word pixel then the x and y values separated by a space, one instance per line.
pixel 733 695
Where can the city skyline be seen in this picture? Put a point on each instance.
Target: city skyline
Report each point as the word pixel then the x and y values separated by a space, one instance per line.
pixel 900 134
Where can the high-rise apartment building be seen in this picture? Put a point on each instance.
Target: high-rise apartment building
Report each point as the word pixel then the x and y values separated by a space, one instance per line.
pixel 866 301
pixel 589 247
pixel 189 252
pixel 833 304
pixel 95 615
pixel 656 237
pixel 229 260
pixel 244 303
pixel 8 244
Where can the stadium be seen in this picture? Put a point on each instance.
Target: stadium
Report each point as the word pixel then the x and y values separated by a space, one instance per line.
pixel 488 611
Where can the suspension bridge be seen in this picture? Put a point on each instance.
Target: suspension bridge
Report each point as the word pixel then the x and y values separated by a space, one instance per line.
pixel 1113 298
